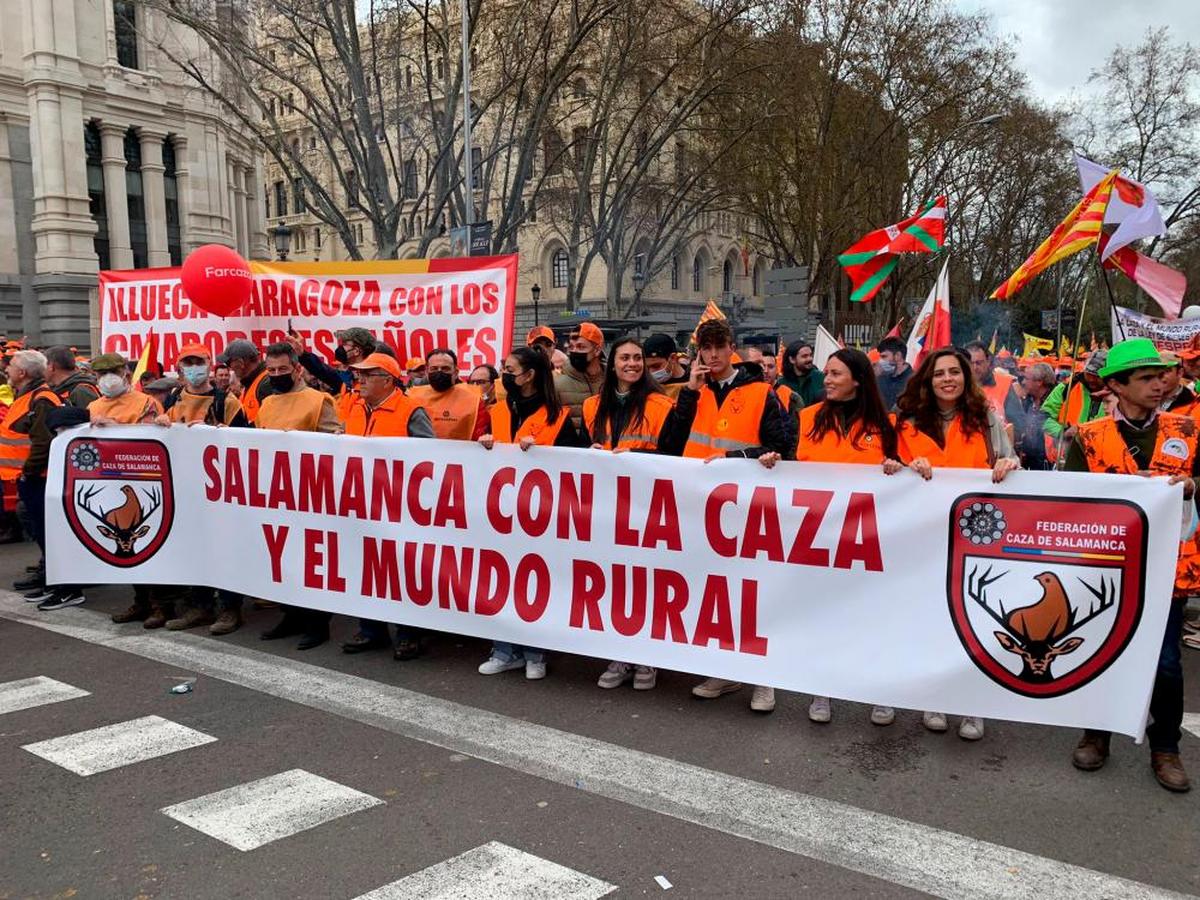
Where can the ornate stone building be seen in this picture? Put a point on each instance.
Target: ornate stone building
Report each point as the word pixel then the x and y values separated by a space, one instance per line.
pixel 109 158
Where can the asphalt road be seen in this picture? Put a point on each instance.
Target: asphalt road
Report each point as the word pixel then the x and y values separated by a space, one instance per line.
pixel 378 771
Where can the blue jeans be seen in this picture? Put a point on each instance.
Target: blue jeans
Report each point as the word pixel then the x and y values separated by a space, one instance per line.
pixel 507 651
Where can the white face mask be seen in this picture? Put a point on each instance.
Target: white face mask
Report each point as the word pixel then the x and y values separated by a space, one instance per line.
pixel 111 385
pixel 661 375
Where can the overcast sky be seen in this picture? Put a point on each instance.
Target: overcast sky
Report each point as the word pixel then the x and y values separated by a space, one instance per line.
pixel 1059 42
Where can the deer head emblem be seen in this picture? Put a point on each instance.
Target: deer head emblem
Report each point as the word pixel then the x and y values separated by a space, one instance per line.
pixel 125 524
pixel 1041 631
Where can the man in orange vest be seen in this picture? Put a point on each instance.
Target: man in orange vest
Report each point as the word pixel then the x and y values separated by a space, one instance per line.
pixel 381 409
pixel 457 410
pixel 1139 439
pixel 245 362
pixel 1076 401
pixel 24 454
pixel 119 403
pixel 731 413
pixel 996 384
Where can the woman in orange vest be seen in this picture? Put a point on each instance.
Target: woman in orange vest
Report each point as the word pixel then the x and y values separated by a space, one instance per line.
pixel 944 420
pixel 631 412
pixel 530 414
pixel 849 426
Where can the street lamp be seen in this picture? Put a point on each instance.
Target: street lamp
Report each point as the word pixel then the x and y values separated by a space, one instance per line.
pixel 536 291
pixel 282 235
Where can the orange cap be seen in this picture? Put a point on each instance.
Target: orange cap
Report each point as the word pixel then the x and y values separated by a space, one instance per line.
pixel 193 350
pixel 414 362
pixel 538 332
pixel 380 361
pixel 734 357
pixel 590 331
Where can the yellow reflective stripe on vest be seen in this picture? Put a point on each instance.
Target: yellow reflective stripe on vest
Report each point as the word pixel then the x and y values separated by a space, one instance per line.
pixel 717 443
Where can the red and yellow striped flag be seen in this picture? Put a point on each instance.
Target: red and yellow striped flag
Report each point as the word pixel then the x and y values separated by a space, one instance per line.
pixel 1080 229
pixel 711 311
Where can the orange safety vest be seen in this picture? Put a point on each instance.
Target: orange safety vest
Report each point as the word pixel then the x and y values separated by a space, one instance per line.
pixel 1174 452
pixel 131 408
pixel 998 393
pixel 345 402
pixel 452 412
pixel 388 419
pixel 250 402
pixel 732 426
pixel 834 447
pixel 15 446
pixel 293 411
pixel 641 435
pixel 959 452
pixel 538 426
pixel 785 395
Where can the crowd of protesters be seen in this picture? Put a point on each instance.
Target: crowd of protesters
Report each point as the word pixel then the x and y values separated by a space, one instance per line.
pixel 960 407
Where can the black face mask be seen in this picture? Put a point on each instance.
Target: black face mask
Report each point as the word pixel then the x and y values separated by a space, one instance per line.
pixel 509 381
pixel 579 360
pixel 340 355
pixel 441 381
pixel 281 384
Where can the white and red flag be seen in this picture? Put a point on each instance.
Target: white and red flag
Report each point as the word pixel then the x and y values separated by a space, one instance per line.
pixel 931 329
pixel 1133 209
pixel 1164 284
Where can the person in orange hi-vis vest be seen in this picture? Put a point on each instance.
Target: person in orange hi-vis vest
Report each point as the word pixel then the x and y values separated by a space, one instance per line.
pixel 943 419
pixel 244 360
pixel 1139 439
pixel 731 413
pixel 381 409
pixel 850 425
pixel 995 384
pixel 530 414
pixel 119 403
pixel 458 411
pixel 631 413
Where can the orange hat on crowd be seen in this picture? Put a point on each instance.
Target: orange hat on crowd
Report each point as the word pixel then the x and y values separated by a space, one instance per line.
pixel 735 357
pixel 193 350
pixel 590 331
pixel 414 362
pixel 540 332
pixel 381 361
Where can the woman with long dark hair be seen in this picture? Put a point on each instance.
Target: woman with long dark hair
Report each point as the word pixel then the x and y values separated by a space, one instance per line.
pixel 944 419
pixel 849 426
pixel 631 412
pixel 530 414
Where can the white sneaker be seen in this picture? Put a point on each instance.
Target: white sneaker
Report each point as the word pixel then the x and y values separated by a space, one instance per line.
pixel 763 699
pixel 534 671
pixel 711 688
pixel 971 728
pixel 615 675
pixel 882 715
pixel 820 710
pixel 934 721
pixel 644 678
pixel 498 664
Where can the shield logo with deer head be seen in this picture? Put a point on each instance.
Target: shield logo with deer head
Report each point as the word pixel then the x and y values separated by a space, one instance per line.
pixel 118 497
pixel 1045 592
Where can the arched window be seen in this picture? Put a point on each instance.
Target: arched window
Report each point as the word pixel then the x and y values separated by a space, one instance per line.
pixel 727 277
pixel 559 266
pixel 697 274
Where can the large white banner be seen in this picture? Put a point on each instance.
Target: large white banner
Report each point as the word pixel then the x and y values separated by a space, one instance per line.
pixel 1167 334
pixel 1043 599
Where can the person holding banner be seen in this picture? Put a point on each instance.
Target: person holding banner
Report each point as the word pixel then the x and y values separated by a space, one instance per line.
pixel 530 414
pixel 293 406
pixel 457 410
pixel 1139 439
pixel 631 412
pixel 945 420
pixel 380 409
pixel 119 403
pixel 731 413
pixel 849 426
pixel 244 360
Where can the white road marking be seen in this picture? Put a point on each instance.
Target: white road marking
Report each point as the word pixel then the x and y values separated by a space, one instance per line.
pixel 918 856
pixel 37 691
pixel 122 744
pixel 494 870
pixel 249 815
pixel 1191 722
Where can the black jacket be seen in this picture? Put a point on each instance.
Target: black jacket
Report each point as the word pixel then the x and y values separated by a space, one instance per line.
pixel 775 435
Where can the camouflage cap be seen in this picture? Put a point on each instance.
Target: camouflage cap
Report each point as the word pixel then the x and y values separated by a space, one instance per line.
pixel 109 362
pixel 360 336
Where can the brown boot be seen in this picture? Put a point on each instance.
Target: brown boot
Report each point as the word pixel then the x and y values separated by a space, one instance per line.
pixel 191 618
pixel 136 613
pixel 1092 752
pixel 1168 769
pixel 227 623
pixel 158 616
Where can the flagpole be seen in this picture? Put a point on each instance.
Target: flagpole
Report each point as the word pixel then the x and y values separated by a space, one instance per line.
pixel 1087 289
pixel 1112 304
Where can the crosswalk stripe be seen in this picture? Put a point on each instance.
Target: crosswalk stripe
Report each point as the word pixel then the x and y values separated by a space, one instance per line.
pixel 922 857
pixel 249 815
pixel 493 870
pixel 1191 722
pixel 37 691
pixel 122 744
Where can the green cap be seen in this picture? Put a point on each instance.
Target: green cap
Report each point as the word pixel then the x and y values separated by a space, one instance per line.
pixel 109 362
pixel 1134 353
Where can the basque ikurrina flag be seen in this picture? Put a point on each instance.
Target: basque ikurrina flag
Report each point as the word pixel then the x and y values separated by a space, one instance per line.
pixel 1080 229
pixel 870 261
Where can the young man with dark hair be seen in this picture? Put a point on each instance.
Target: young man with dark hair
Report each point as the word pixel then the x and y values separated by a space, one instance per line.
pixel 731 413
pixel 894 370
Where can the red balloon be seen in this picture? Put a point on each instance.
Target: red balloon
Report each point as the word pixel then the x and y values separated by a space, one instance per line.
pixel 216 279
